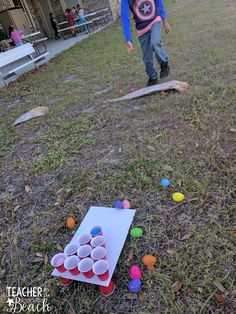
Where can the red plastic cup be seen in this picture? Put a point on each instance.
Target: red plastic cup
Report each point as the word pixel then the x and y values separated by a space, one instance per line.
pixel 84 251
pixel 101 269
pixel 98 241
pixel 96 231
pixel 71 249
pixel 98 253
pixel 71 264
pixel 85 267
pixel 65 281
pixel 85 239
pixel 58 262
pixel 106 291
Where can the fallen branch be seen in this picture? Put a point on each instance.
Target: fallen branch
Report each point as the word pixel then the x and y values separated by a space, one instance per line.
pixel 177 85
pixel 34 113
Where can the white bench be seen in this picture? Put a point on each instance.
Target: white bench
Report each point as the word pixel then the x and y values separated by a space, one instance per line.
pixel 86 16
pixel 78 18
pixel 64 30
pixel 93 21
pixel 37 42
pixel 15 54
pixel 101 17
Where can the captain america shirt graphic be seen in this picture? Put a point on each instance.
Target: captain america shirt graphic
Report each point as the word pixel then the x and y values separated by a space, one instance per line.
pixel 145 9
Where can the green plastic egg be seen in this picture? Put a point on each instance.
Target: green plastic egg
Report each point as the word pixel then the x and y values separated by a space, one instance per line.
pixel 136 232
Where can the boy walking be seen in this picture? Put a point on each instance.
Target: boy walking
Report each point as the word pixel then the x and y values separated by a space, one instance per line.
pixel 148 16
pixel 54 26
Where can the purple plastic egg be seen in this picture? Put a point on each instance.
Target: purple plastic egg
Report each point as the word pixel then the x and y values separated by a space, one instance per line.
pixel 118 204
pixel 134 285
pixel 135 272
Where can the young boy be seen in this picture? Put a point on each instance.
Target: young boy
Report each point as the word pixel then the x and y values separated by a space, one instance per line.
pixel 54 26
pixel 148 16
pixel 82 19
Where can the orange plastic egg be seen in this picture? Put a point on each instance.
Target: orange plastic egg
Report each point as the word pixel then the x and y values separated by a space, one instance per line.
pixel 149 261
pixel 70 222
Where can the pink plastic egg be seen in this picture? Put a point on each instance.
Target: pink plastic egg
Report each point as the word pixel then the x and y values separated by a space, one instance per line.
pixel 135 272
pixel 126 204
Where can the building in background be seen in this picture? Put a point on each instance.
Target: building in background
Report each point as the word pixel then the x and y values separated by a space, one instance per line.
pixel 34 14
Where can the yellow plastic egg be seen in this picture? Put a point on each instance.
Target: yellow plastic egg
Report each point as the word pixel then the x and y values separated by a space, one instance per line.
pixel 178 197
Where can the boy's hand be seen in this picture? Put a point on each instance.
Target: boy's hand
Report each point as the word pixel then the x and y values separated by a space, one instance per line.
pixel 167 26
pixel 129 47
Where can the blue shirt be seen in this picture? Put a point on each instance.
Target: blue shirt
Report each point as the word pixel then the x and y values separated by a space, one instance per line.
pixel 144 12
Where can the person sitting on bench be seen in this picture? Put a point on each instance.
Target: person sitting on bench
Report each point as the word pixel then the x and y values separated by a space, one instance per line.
pixel 82 19
pixel 70 20
pixel 15 35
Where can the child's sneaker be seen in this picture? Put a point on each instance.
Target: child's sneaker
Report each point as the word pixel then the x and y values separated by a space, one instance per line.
pixel 152 81
pixel 165 70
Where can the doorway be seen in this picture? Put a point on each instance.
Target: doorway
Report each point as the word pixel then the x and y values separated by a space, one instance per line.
pixel 44 9
pixel 20 20
pixel 27 13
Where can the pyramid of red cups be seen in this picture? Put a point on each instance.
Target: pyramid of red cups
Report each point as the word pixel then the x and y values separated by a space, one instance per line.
pixel 86 256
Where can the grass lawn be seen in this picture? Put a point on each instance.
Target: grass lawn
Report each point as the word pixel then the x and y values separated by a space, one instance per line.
pixel 87 151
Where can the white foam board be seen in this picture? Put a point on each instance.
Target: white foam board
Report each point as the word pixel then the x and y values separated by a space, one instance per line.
pixel 115 224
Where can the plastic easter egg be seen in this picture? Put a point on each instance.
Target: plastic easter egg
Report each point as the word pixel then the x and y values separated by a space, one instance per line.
pixel 134 285
pixel 132 89
pixel 149 261
pixel 97 230
pixel 118 204
pixel 70 222
pixel 165 183
pixel 136 232
pixel 178 197
pixel 135 272
pixel 126 204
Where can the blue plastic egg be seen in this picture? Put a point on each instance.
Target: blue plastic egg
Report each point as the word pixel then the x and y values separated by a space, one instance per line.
pixel 95 231
pixel 118 204
pixel 165 183
pixel 135 285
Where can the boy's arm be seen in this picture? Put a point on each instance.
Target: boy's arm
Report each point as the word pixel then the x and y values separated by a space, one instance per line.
pixel 162 12
pixel 161 9
pixel 125 18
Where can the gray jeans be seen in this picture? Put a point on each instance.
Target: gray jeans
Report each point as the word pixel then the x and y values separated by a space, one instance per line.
pixel 4 45
pixel 151 42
